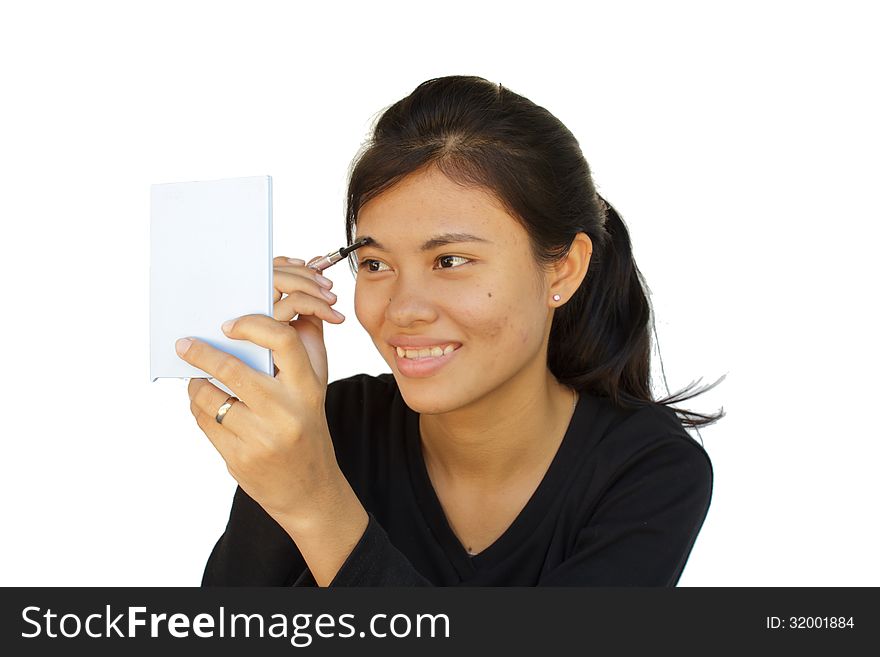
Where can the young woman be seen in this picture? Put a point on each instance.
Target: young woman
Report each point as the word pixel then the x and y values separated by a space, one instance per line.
pixel 515 441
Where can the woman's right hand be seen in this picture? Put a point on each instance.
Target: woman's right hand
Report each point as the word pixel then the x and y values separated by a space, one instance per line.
pixel 309 300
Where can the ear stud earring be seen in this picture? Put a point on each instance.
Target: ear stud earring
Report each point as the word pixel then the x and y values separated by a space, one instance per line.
pixel 556 297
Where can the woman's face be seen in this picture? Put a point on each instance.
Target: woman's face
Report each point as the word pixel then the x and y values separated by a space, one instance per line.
pixel 484 294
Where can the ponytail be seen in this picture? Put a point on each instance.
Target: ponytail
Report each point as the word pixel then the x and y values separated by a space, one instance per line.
pixel 600 342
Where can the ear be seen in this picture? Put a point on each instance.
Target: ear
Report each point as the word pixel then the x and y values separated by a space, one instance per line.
pixel 569 272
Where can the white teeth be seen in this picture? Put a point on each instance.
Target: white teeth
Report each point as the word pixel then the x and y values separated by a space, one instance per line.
pixel 427 352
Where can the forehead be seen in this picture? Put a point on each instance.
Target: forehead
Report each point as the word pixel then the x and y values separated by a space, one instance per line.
pixel 428 201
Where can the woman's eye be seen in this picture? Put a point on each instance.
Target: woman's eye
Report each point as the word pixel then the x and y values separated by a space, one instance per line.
pixel 368 263
pixel 450 258
pixel 446 262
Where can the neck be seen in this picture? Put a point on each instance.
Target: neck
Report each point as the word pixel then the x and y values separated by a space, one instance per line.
pixel 503 435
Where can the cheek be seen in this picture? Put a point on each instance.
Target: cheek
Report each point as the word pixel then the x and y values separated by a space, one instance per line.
pixel 501 322
pixel 367 308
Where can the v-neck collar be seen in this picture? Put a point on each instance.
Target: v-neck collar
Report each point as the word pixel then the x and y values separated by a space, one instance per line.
pixel 529 517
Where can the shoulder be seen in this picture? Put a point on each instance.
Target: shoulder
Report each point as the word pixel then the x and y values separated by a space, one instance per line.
pixel 652 443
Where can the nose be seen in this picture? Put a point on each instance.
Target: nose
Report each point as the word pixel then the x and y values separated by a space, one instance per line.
pixel 410 302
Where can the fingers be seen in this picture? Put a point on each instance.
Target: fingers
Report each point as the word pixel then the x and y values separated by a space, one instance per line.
pixel 289 282
pixel 301 303
pixel 281 261
pixel 280 264
pixel 249 385
pixel 288 350
pixel 205 400
pixel 297 265
pixel 307 292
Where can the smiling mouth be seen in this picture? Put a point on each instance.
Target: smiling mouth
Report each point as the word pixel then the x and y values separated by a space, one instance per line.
pixel 422 363
pixel 426 352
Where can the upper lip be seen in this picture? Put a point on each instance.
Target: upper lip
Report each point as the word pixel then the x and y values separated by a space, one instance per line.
pixel 421 341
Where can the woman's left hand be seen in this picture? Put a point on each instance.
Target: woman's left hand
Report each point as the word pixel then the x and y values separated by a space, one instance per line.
pixel 275 440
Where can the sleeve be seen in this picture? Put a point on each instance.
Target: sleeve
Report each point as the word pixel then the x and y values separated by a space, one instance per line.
pixel 254 550
pixel 374 561
pixel 644 527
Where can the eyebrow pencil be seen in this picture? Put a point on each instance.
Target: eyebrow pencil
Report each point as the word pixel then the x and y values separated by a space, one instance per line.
pixel 321 263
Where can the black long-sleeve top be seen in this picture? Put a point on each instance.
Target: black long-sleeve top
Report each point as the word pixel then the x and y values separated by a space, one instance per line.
pixel 621 504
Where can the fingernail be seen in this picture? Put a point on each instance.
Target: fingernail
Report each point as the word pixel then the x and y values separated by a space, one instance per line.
pixel 296 261
pixel 227 325
pixel 183 345
pixel 329 296
pixel 337 313
pixel 326 282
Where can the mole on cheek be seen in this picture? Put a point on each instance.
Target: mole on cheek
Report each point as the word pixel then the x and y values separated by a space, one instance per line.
pixel 490 294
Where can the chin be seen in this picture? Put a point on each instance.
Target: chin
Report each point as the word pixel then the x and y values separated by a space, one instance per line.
pixel 424 399
pixel 434 393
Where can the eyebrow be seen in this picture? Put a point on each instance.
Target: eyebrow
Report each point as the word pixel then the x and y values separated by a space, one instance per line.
pixel 435 241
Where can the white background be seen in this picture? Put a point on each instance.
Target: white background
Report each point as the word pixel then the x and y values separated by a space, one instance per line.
pixel 738 142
